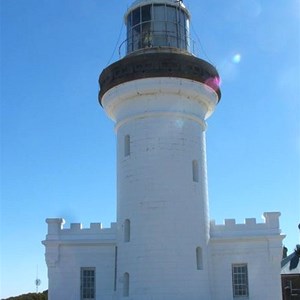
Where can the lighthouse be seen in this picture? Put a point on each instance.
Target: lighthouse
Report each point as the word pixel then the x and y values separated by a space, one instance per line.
pixel 163 245
pixel 159 96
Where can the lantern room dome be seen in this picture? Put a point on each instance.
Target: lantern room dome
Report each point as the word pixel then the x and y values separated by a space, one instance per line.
pixel 146 2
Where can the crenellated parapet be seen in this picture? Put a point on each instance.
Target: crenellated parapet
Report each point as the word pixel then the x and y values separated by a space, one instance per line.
pixel 250 228
pixel 75 235
pixel 56 231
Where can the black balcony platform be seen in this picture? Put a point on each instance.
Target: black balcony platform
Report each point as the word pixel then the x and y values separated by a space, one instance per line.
pixel 158 64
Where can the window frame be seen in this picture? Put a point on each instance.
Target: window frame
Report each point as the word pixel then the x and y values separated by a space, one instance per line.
pixel 85 282
pixel 199 258
pixel 127 229
pixel 240 280
pixel 126 285
pixel 195 170
pixel 127 149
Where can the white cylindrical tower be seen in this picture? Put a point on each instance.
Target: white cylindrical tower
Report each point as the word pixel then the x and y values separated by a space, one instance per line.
pixel 159 95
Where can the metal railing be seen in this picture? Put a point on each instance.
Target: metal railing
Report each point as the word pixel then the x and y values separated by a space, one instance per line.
pixel 153 39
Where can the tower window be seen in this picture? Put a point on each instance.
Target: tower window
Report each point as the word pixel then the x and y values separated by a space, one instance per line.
pixel 126 285
pixel 195 171
pixel 199 258
pixel 127 145
pixel 87 278
pixel 116 268
pixel 240 280
pixel 127 231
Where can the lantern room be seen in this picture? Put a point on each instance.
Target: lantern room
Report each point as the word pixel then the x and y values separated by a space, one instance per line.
pixel 157 23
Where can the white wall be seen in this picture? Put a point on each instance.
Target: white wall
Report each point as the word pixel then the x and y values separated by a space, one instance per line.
pixel 257 245
pixel 69 250
pixel 65 277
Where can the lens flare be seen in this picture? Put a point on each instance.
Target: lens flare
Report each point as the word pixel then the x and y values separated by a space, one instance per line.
pixel 236 58
pixel 213 82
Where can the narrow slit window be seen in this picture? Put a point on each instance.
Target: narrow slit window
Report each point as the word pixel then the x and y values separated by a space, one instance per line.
pixel 195 171
pixel 127 145
pixel 126 285
pixel 116 268
pixel 199 258
pixel 127 231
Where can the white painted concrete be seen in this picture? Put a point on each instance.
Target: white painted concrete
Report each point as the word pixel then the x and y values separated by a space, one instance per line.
pixel 165 119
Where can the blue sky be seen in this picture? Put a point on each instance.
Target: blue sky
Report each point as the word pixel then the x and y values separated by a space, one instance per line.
pixel 58 147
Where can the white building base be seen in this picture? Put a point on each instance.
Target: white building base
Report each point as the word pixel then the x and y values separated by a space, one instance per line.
pixel 257 245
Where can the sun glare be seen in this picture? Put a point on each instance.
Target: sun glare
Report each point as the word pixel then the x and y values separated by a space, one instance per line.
pixel 236 58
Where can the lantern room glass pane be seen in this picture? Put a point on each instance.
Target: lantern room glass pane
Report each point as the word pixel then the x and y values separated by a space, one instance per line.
pixel 146 13
pixel 147 40
pixel 171 33
pixel 136 16
pixel 181 29
pixel 159 12
pixel 136 37
pixel 129 33
pixel 171 14
pixel 129 22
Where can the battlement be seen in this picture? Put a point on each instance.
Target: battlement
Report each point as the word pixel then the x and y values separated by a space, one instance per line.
pixel 249 228
pixel 56 231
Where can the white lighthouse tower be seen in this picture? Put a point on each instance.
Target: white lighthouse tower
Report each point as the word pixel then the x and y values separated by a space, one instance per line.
pixel 159 97
pixel 163 245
